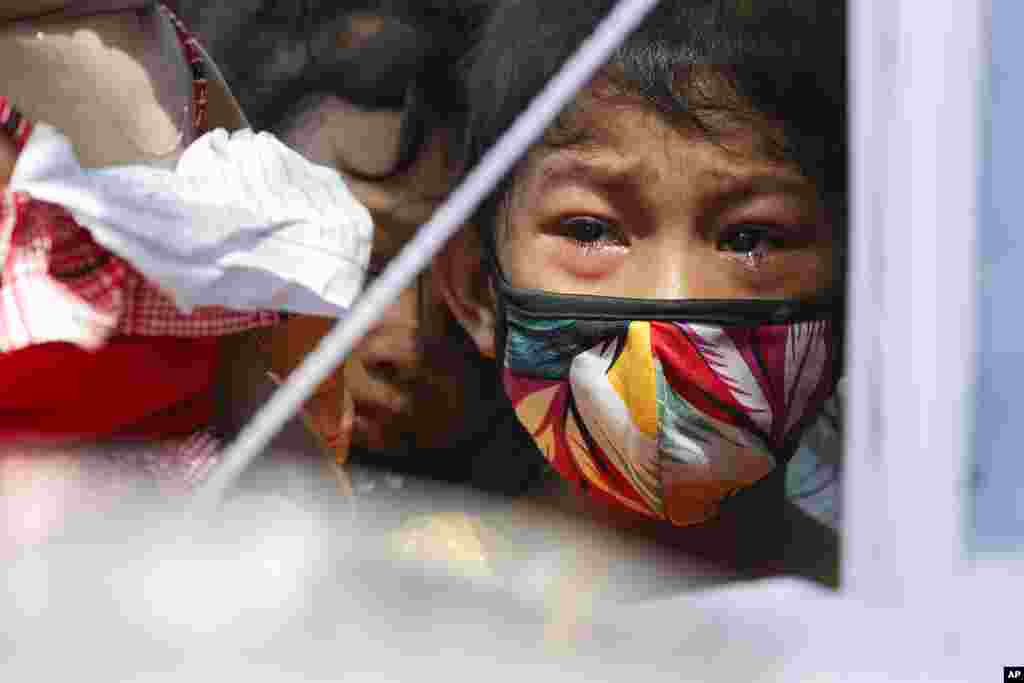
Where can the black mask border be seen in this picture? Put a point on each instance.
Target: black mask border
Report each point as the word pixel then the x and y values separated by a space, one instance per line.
pixel 534 303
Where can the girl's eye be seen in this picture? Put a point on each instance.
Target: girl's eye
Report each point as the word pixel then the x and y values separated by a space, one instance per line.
pixel 746 239
pixel 589 231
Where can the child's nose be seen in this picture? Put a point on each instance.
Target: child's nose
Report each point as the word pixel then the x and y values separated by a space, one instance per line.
pixel 670 277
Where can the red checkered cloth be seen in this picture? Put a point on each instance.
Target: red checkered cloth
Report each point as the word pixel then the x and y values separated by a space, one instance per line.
pixel 57 284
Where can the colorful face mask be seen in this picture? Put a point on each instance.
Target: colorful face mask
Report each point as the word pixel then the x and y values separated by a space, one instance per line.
pixel 666 407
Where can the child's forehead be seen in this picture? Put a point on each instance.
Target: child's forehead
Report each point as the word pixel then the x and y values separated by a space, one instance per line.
pixel 605 110
pixel 606 126
pixel 637 173
pixel 622 147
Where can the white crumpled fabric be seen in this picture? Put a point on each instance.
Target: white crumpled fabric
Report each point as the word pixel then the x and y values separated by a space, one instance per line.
pixel 242 221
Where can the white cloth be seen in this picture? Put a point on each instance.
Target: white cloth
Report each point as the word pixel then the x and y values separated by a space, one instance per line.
pixel 242 221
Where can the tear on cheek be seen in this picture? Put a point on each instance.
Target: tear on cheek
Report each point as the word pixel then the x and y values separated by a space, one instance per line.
pixel 755 259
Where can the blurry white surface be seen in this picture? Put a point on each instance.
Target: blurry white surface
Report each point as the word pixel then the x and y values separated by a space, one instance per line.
pixel 266 592
pixel 242 222
pixel 915 129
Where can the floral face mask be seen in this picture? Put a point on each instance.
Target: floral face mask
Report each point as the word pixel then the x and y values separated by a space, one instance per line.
pixel 666 407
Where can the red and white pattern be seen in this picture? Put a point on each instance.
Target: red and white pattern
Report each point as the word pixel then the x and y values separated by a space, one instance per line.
pixel 58 284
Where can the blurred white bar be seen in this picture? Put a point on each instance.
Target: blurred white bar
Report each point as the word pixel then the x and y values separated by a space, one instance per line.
pixel 915 74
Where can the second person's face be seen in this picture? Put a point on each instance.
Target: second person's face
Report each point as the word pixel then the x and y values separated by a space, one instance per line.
pixel 407 379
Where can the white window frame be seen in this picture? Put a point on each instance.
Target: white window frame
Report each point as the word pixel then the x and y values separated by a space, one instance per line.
pixel 915 74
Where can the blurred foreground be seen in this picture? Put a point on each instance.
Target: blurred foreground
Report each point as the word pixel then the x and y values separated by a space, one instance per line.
pixel 406 580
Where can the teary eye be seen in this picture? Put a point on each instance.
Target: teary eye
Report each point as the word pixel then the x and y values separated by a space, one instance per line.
pixel 745 239
pixel 589 230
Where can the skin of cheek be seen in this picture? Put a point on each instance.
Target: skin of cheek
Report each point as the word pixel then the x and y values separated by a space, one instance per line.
pixel 329 412
pixel 407 363
pixel 380 373
pixel 425 371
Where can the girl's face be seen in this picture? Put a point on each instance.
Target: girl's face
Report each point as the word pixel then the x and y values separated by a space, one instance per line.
pixel 671 416
pixel 634 207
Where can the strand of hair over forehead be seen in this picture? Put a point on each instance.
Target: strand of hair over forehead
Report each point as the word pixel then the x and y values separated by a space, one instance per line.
pixel 417 254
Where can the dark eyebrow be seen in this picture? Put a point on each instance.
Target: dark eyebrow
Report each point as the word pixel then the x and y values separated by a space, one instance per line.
pixel 758 183
pixel 730 189
pixel 725 189
pixel 568 168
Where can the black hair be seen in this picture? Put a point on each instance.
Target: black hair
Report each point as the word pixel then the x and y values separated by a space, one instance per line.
pixel 778 64
pixel 283 56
